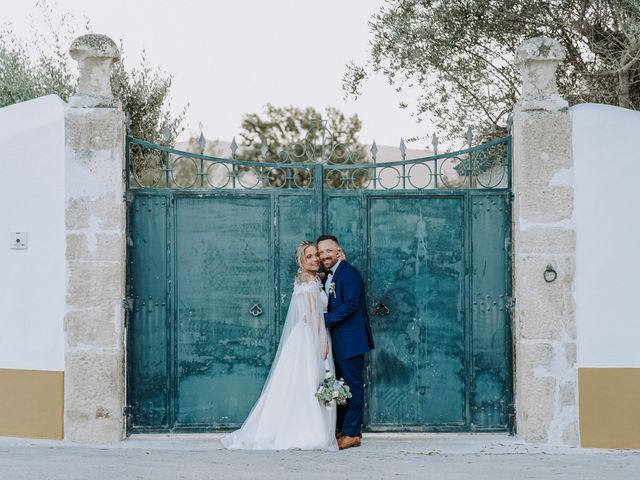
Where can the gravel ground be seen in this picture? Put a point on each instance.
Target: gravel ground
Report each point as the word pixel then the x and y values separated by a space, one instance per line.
pixel 381 456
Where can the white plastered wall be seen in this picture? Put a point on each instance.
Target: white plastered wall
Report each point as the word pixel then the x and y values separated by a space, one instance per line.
pixel 606 151
pixel 32 200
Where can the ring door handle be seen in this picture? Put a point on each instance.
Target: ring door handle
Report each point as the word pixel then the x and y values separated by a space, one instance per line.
pixel 380 310
pixel 256 310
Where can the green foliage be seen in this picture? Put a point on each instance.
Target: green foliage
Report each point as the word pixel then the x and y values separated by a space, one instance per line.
pixel 301 135
pixel 460 55
pixel 144 93
pixel 41 65
pixel 297 135
pixel 38 66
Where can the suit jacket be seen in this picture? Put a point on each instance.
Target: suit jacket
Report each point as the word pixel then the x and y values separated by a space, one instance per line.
pixel 347 318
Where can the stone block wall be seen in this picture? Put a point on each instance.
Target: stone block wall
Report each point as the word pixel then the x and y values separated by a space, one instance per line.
pixel 95 250
pixel 544 237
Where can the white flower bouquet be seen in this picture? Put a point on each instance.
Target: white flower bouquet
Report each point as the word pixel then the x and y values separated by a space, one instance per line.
pixel 332 391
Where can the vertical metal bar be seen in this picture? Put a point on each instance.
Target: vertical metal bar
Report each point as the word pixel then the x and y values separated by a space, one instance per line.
pixel 471 170
pixel 127 163
pixel 274 274
pixel 365 241
pixel 375 175
pixel 374 157
pixel 128 288
pixel 435 173
pixel 468 306
pixel 509 161
pixel 403 152
pixel 201 170
pixel 318 195
pixel 404 176
pixel 172 315
pixel 509 312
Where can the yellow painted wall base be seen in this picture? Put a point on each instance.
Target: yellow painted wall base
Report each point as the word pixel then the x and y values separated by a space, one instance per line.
pixel 609 407
pixel 31 403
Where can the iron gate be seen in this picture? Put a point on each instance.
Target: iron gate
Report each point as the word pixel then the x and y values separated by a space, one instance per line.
pixel 210 269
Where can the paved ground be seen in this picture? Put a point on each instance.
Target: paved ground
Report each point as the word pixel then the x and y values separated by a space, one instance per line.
pixel 382 456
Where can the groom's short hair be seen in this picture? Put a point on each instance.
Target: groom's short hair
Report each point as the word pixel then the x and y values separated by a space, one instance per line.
pixel 327 237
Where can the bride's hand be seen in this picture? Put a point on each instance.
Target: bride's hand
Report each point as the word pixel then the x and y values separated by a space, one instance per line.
pixel 341 255
pixel 325 351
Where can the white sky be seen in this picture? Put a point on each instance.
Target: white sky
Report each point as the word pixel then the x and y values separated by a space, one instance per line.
pixel 231 57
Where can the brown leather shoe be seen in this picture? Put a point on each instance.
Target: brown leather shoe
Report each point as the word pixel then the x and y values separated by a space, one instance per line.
pixel 339 435
pixel 348 442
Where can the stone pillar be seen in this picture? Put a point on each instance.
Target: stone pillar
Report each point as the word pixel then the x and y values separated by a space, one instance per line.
pixel 544 235
pixel 95 249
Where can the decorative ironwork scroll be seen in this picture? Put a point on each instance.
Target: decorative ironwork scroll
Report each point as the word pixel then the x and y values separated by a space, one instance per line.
pixel 152 166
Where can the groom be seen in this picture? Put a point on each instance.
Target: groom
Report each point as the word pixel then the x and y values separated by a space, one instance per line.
pixel 351 337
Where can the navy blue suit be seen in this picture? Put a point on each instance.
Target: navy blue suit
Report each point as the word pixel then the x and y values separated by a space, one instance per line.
pixel 351 337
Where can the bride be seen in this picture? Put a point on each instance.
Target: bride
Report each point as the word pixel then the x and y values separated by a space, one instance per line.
pixel 288 415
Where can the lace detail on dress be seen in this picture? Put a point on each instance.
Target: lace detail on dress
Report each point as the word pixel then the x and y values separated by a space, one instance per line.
pixel 306 286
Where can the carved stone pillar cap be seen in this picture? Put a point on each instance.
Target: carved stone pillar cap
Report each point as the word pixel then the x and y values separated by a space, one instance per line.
pixel 540 48
pixel 95 55
pixel 94 45
pixel 538 59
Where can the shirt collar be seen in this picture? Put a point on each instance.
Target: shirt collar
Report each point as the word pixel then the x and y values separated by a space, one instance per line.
pixel 335 267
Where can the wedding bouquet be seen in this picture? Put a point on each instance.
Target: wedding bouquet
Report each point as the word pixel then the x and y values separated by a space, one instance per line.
pixel 331 390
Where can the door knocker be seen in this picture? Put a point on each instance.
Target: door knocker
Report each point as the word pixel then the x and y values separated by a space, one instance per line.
pixel 550 274
pixel 256 310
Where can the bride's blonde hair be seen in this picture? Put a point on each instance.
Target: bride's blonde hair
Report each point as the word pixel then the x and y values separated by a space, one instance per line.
pixel 300 248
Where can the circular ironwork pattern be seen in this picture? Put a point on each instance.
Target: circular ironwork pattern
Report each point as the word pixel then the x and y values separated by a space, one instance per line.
pixel 276 177
pixel 454 172
pixel 415 175
pixel 490 170
pixel 184 172
pixel 302 177
pixel 360 178
pixel 334 179
pixel 385 179
pixel 339 153
pixel 146 166
pixel 156 166
pixel 248 178
pixel 295 153
pixel 218 175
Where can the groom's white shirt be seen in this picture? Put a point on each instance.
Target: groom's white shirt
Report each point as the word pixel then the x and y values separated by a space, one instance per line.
pixel 332 270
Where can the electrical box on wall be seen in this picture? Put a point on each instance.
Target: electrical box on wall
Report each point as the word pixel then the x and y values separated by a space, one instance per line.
pixel 19 240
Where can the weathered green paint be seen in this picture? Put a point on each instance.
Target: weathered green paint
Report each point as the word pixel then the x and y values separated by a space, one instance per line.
pixel 489 228
pixel 148 326
pixel 417 265
pixel 223 268
pixel 437 267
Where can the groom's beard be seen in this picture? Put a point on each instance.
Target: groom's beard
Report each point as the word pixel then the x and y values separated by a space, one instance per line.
pixel 328 263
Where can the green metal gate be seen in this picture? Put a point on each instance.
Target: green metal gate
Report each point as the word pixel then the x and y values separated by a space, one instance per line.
pixel 211 264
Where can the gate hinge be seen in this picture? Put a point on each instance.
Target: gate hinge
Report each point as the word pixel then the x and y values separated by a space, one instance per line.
pixel 510 303
pixel 127 410
pixel 511 418
pixel 127 304
pixel 128 197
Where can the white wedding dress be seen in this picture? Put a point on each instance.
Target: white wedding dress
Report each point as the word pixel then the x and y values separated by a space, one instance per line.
pixel 288 415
